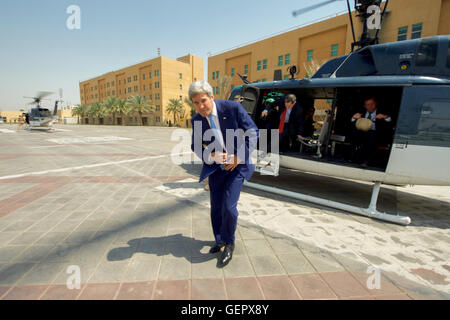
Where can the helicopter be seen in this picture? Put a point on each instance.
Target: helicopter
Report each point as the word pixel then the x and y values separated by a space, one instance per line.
pixel 40 117
pixel 410 78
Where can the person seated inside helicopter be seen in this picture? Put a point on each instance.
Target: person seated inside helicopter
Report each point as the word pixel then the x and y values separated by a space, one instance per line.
pixel 371 129
pixel 286 116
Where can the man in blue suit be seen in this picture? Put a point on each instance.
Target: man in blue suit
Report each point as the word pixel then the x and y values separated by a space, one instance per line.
pixel 223 136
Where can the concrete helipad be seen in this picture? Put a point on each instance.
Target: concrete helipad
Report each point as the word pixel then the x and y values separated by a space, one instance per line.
pixel 107 206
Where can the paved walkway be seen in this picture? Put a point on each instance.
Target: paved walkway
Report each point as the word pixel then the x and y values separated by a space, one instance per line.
pixel 109 202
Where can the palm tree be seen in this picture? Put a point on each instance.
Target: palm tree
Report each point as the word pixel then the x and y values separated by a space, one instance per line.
pixel 191 106
pixel 110 105
pixel 224 86
pixel 96 110
pixel 122 109
pixel 80 111
pixel 176 107
pixel 140 105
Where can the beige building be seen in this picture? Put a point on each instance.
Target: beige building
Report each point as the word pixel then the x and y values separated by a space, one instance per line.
pixel 11 116
pixel 310 46
pixel 159 80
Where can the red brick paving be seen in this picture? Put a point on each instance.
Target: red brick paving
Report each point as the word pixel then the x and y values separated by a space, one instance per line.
pixel 60 292
pixel 386 286
pixel 278 288
pixel 243 289
pixel 172 290
pixel 25 293
pixel 99 291
pixel 430 276
pixel 344 284
pixel 3 290
pixel 24 198
pixel 311 286
pixel 208 289
pixel 136 291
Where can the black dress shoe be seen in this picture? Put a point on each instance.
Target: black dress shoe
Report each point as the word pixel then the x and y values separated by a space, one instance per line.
pixel 226 256
pixel 216 248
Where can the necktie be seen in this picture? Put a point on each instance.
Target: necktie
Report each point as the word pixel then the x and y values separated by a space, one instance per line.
pixel 283 117
pixel 369 115
pixel 216 134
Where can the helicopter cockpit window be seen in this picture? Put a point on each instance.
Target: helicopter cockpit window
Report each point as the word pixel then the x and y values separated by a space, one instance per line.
pixel 426 56
pixel 434 118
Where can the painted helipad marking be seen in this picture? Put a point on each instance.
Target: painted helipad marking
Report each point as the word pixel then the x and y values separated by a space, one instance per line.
pixel 6 131
pixel 87 139
pixel 87 166
pixel 341 236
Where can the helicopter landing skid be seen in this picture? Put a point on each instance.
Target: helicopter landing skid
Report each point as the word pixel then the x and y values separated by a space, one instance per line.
pixel 370 212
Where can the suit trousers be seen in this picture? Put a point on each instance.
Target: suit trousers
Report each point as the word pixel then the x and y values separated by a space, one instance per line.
pixel 225 189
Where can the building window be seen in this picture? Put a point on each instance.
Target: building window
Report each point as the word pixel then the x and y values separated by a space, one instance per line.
pixel 232 72
pixel 416 31
pixel 280 60
pixel 135 78
pixel 112 84
pixel 114 92
pixel 107 84
pixel 181 76
pixel 158 119
pixel 129 79
pixel 158 108
pixel 150 86
pixel 310 55
pixel 150 75
pixel 259 65
pixel 119 81
pixel 214 76
pixel 265 64
pixel 334 50
pixel 287 59
pixel 246 69
pixel 150 97
pixel 217 90
pixel 143 76
pixel 144 87
pixel 217 75
pixel 129 89
pixel 181 87
pixel 402 33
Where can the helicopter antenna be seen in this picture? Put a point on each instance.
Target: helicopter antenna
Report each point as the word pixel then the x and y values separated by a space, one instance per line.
pixel 351 22
pixel 243 78
pixel 314 6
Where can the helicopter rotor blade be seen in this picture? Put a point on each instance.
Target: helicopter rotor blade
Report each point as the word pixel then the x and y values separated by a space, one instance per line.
pixel 314 6
pixel 43 94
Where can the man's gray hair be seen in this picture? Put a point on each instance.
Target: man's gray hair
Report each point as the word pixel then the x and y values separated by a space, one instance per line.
pixel 290 98
pixel 199 87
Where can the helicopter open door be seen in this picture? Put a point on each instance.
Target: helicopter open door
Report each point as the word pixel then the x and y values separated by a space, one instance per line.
pixel 250 97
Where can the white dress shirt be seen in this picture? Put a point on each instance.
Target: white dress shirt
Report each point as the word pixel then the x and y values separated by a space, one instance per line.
pixel 217 123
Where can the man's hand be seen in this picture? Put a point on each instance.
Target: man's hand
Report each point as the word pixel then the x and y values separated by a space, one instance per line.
pixel 381 116
pixel 299 137
pixel 218 157
pixel 264 114
pixel 232 162
pixel 357 116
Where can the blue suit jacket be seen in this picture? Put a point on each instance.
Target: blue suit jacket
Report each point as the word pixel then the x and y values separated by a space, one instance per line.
pixel 232 115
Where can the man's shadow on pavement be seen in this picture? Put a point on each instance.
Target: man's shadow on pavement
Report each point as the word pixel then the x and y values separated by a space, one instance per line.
pixel 177 245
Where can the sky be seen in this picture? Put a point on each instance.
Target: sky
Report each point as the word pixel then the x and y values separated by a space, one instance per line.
pixel 40 53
